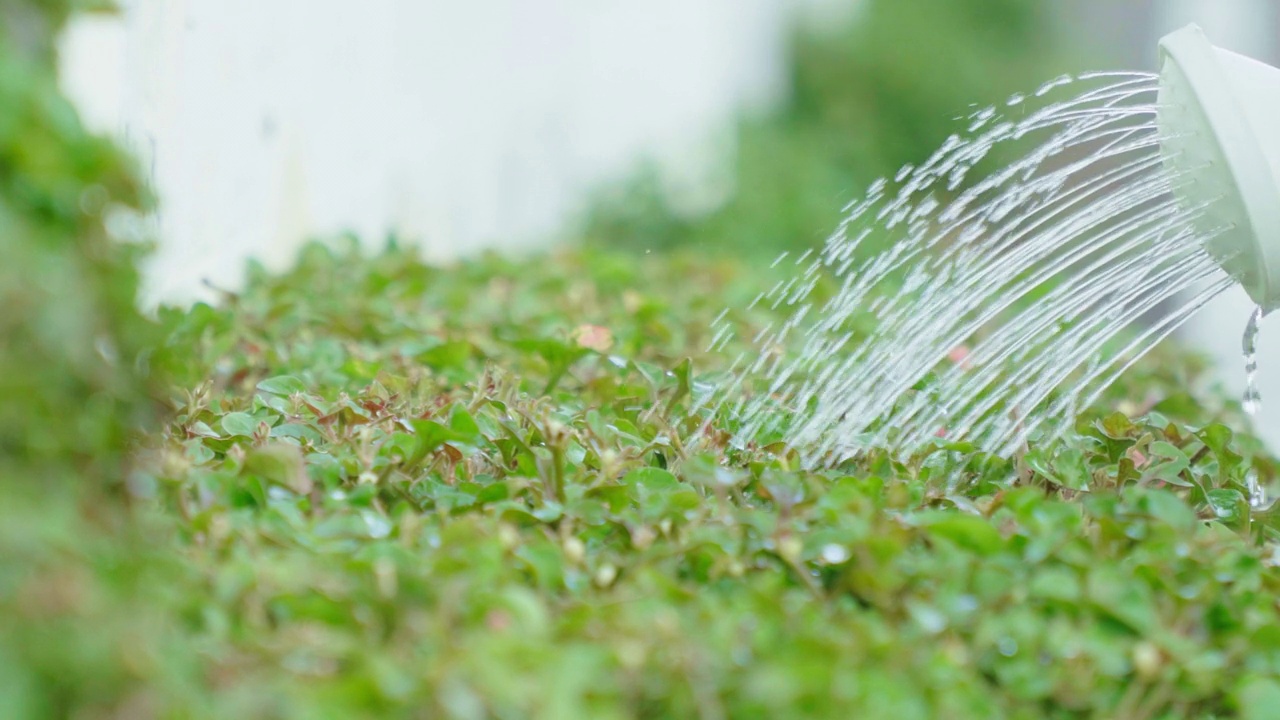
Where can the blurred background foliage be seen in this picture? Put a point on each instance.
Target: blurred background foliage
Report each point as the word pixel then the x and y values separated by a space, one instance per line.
pixel 81 578
pixel 866 97
pixel 72 331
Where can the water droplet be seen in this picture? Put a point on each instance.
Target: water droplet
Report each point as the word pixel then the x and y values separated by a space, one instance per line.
pixel 929 619
pixel 1056 82
pixel 1252 402
pixel 1258 499
pixel 1007 646
pixel 379 527
pixel 834 554
pixel 1252 397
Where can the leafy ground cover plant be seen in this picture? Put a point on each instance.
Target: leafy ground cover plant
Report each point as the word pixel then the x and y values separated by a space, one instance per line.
pixel 484 491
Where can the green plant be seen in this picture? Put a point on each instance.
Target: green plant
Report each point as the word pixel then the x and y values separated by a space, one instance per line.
pixel 82 578
pixel 491 490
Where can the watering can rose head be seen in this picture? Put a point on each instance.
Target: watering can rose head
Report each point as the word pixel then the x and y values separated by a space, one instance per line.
pixel 1217 112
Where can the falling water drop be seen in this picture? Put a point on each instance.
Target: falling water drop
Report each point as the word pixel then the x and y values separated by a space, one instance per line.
pixel 1258 499
pixel 834 554
pixel 1253 398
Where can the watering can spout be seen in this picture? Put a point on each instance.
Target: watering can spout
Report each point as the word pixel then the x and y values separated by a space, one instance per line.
pixel 1219 124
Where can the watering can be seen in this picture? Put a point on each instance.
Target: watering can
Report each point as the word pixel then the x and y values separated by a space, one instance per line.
pixel 1219 124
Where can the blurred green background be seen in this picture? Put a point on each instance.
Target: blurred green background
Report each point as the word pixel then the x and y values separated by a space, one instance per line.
pixel 880 90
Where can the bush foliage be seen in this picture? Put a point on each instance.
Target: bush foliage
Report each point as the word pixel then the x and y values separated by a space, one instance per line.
pixel 487 491
pixel 78 572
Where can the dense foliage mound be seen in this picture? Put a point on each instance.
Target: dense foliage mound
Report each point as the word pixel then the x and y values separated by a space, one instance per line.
pixel 482 491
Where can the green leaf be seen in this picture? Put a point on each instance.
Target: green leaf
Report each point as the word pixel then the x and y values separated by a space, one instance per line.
pixel 1170 509
pixel 652 479
pixel 1218 439
pixel 454 355
pixel 545 561
pixel 683 373
pixel 1070 469
pixel 284 385
pixel 464 425
pixel 278 464
pixel 1056 583
pixel 202 429
pixel 968 531
pixel 1172 462
pixel 431 435
pixel 559 356
pixel 1257 698
pixel 298 431
pixel 1122 597
pixel 616 497
pixel 239 424
pixel 1229 506
pixel 1117 426
pixel 659 493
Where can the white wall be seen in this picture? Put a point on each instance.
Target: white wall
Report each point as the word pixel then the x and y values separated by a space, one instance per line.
pixel 463 125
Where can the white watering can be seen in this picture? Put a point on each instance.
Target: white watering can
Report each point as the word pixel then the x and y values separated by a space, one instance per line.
pixel 1218 119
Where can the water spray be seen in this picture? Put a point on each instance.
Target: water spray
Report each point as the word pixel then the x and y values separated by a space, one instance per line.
pixel 1141 199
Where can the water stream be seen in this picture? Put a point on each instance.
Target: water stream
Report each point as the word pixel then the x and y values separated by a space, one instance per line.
pixel 1252 398
pixel 986 310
